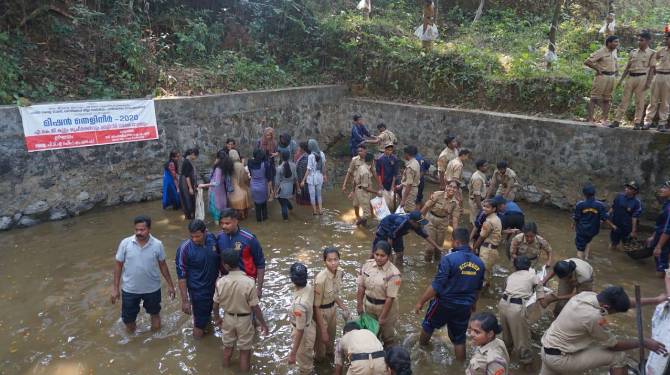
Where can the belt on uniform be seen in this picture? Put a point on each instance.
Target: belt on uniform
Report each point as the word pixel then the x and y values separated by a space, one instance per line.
pixel 327 305
pixel 659 72
pixel 375 301
pixel 237 315
pixel 436 215
pixel 490 245
pixel 362 356
pixel 514 300
pixel 608 73
pixel 552 351
pixel 637 74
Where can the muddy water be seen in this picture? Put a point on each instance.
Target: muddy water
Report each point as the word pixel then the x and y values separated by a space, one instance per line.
pixel 55 315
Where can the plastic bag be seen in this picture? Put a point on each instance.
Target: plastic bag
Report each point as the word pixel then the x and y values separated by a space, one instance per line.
pixel 660 331
pixel 430 34
pixel 367 321
pixel 199 206
pixel 379 207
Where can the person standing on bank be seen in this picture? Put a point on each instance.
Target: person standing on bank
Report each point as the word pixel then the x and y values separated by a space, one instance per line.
pixel 448 154
pixel 490 356
pixel 188 181
pixel 388 169
pixel 441 210
pixel 530 244
pixel 362 348
pixel 504 182
pixel 477 189
pixel 574 276
pixel 363 189
pixel 315 177
pixel 171 182
pixel 304 329
pixel 587 217
pixel 286 182
pixel 636 69
pixel 197 262
pixel 659 79
pixel 604 62
pixel 236 293
pixel 625 214
pixel 354 164
pixel 453 294
pixel 327 287
pixel 489 239
pixel 411 178
pixel 259 167
pixel 359 133
pixel 661 238
pixel 394 227
pixel 139 259
pixel 378 285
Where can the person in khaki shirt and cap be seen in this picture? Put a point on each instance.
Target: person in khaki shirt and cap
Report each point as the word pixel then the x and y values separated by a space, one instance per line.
pixel 637 69
pixel 236 293
pixel 384 138
pixel 578 340
pixel 441 210
pixel 354 164
pixel 530 244
pixel 363 189
pixel 575 276
pixel 604 62
pixel 659 79
pixel 490 356
pixel 477 189
pixel 378 285
pixel 361 348
pixel 411 178
pixel 448 154
pixel 504 182
pixel 304 329
pixel 489 239
pixel 327 286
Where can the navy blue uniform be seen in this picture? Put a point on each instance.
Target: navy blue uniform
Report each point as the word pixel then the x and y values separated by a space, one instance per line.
pixel 588 215
pixel 358 134
pixel 512 217
pixel 424 166
pixel 459 278
pixel 199 265
pixel 251 253
pixel 393 227
pixel 663 227
pixel 387 167
pixel 624 209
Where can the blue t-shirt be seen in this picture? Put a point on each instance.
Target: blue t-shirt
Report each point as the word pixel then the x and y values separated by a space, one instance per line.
pixel 387 167
pixel 511 207
pixel 459 277
pixel 199 265
pixel 588 215
pixel 251 253
pixel 358 134
pixel 395 226
pixel 663 223
pixel 624 209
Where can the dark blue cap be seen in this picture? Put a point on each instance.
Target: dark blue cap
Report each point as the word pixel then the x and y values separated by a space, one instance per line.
pixel 498 200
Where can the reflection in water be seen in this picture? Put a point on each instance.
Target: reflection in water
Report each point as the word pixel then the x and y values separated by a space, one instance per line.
pixel 55 316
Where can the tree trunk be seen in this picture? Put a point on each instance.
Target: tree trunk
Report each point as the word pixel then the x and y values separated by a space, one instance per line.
pixel 480 10
pixel 554 28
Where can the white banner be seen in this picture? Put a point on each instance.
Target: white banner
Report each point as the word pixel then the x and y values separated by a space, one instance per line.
pixel 70 125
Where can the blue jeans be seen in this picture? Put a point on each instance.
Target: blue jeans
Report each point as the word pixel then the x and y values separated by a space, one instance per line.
pixel 285 206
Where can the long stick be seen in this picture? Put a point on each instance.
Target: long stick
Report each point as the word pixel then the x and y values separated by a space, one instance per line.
pixel 640 331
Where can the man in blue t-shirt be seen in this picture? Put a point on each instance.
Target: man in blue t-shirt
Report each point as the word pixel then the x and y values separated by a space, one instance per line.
pixel 511 215
pixel 198 263
pixel 359 133
pixel 453 293
pixel 625 214
pixel 394 227
pixel 587 217
pixel 661 239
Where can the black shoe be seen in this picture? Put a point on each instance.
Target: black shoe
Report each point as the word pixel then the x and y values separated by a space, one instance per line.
pixel 613 125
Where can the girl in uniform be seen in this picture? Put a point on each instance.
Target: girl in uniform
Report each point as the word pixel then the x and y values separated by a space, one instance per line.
pixel 490 356
pixel 327 286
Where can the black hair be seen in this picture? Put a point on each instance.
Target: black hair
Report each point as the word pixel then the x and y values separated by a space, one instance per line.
pixel 173 154
pixel 231 258
pixel 257 159
pixel 410 150
pixel 284 139
pixel 369 158
pixel 298 274
pixel 645 34
pixel 381 125
pixel 363 146
pixel 564 268
pixel 464 151
pixel 228 213
pixel 304 147
pixel 197 225
pixel 383 246
pixel 350 326
pixel 330 250
pixel 529 227
pixel 611 39
pixel 191 151
pixel 487 321
pixel 286 167
pixel 142 219
pixel 522 263
pixel 461 235
pixel 616 298
pixel 397 359
pixel 491 203
pixel 229 140
pixel 501 164
pixel 357 117
pixel 480 163
pixel 225 163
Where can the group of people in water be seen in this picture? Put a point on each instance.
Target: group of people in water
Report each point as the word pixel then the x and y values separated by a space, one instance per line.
pixel 226 271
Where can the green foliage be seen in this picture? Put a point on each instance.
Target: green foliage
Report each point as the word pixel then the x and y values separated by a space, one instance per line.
pixel 197 40
pixel 10 71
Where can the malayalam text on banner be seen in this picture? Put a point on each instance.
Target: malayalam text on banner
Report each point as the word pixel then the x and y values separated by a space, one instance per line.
pixel 70 125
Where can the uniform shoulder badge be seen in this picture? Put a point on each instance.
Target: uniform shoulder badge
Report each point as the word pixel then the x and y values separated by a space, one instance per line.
pixel 238 246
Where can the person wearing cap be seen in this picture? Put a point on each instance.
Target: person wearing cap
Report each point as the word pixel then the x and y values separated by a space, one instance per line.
pixel 441 210
pixel 659 79
pixel 453 293
pixel 489 238
pixel 587 216
pixel 625 213
pixel 327 288
pixel 354 164
pixel 236 293
pixel 504 182
pixel 477 189
pixel 359 133
pixel 579 339
pixel 424 164
pixel 574 276
pixel 394 227
pixel 604 62
pixel 384 137
pixel 388 169
pixel 448 154
pixel 304 329
pixel 531 245
pixel 661 238
pixel 411 177
pixel 520 286
pixel 362 349
pixel 636 70
pixel 363 189
pixel 378 285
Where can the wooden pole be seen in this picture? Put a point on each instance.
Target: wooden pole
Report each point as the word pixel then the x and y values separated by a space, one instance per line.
pixel 640 330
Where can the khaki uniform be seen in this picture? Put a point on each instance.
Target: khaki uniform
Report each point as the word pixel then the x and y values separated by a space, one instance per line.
pixel 445 157
pixel 385 138
pixel 381 283
pixel 531 250
pixel 363 181
pixel 454 171
pixel 660 88
pixel 360 341
pixel 488 251
pixel 581 281
pixel 476 187
pixel 443 211
pixel 512 308
pixel 490 359
pixel 326 290
pixel 635 83
pixel 302 311
pixel 603 84
pixel 581 335
pixel 507 182
pixel 236 293
pixel 354 165
pixel 411 177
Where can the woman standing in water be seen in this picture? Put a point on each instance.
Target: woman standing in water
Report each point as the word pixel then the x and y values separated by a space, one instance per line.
pixel 315 176
pixel 268 144
pixel 327 285
pixel 219 184
pixel 188 182
pixel 302 197
pixel 285 182
pixel 171 181
pixel 490 356
pixel 287 144
pixel 259 171
pixel 238 199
